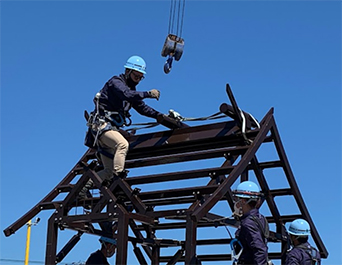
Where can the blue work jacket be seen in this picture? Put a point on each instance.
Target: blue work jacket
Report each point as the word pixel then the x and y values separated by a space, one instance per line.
pixel 252 239
pixel 117 95
pixel 97 258
pixel 298 256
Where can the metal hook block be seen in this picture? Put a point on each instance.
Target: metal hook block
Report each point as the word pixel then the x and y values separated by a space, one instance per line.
pixel 173 45
pixel 179 50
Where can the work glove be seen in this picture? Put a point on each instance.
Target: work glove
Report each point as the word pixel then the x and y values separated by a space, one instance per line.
pixel 154 93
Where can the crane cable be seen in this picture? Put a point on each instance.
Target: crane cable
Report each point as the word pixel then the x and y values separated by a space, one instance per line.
pixel 176 8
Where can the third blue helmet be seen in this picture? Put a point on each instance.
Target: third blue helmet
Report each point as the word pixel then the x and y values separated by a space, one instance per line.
pixel 104 239
pixel 299 227
pixel 136 63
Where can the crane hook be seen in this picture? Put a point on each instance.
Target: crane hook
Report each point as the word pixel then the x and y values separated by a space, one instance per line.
pixel 168 64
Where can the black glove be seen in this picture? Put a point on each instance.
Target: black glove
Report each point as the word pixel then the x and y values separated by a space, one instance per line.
pixel 154 93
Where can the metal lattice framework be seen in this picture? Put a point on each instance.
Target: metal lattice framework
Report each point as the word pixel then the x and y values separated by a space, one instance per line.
pixel 124 204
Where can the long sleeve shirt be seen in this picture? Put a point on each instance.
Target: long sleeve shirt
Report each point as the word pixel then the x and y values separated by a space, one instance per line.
pixel 117 95
pixel 97 258
pixel 255 250
pixel 299 256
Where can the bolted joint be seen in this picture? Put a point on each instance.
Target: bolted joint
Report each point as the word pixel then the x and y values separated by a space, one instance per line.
pixel 136 191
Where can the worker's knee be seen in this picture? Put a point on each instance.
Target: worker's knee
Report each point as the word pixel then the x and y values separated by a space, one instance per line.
pixel 122 146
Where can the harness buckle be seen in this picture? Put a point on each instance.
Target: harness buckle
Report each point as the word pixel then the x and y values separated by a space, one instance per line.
pixel 115 118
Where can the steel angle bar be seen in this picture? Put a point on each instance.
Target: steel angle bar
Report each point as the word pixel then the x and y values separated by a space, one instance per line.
pixel 183 157
pixel 172 141
pixel 180 175
pixel 174 193
pixel 200 211
pixel 134 198
pixel 68 247
pixel 265 188
pixel 296 193
pixel 47 199
pixel 51 242
pixel 140 236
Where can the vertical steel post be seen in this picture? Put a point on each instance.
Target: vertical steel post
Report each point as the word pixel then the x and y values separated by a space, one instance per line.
pixel 51 241
pixel 191 236
pixel 121 255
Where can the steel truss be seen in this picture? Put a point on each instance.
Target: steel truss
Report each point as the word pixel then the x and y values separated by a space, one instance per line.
pixel 124 204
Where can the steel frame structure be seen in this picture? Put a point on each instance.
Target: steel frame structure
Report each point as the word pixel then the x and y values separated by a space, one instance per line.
pixel 124 203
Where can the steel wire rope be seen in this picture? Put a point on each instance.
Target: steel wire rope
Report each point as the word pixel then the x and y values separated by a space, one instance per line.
pixel 176 14
pixel 171 16
pixel 181 30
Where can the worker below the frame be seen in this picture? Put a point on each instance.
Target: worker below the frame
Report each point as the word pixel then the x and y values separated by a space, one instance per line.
pixel 108 247
pixel 112 105
pixel 302 253
pixel 253 230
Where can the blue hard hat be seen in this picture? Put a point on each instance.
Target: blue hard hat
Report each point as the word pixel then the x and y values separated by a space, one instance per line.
pixel 136 63
pixel 299 227
pixel 104 239
pixel 247 189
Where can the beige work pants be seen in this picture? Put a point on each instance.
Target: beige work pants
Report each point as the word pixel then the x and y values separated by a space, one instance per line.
pixel 113 142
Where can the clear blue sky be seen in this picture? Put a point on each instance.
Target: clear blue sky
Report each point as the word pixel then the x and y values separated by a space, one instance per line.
pixel 55 55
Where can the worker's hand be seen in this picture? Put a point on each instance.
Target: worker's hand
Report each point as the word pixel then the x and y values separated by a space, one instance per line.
pixel 154 93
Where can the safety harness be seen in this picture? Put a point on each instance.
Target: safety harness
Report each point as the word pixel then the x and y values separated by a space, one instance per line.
pixel 312 252
pixel 98 124
pixel 264 230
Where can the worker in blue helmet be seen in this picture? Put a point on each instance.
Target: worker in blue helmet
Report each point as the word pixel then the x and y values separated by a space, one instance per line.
pixel 301 253
pixel 253 230
pixel 108 247
pixel 112 105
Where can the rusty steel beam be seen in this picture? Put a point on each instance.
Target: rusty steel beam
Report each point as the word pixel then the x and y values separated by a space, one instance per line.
pixel 181 157
pixel 180 175
pixel 68 247
pixel 51 241
pixel 139 236
pixel 47 199
pixel 238 170
pixel 122 238
pixel 120 202
pixel 191 238
pixel 193 138
pixel 297 195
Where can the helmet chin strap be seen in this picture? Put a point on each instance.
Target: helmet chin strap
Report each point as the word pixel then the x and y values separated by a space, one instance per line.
pixel 238 210
pixel 128 74
pixel 129 79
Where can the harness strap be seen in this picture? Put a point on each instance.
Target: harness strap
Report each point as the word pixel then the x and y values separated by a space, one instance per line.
pixel 313 253
pixel 180 118
pixel 265 231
